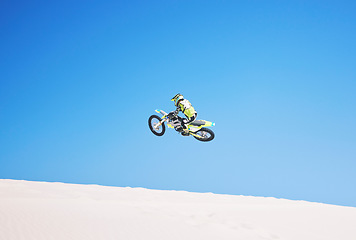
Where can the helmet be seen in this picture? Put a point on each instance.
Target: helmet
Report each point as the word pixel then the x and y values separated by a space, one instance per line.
pixel 177 98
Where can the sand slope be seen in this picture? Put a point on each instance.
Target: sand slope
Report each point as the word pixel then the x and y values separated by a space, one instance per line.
pixel 40 210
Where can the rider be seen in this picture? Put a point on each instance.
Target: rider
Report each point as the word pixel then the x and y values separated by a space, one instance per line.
pixel 185 107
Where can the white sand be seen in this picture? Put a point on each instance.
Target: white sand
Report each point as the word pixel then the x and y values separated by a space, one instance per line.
pixel 40 210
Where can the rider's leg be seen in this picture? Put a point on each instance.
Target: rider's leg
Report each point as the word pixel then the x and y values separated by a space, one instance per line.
pixel 185 122
pixel 180 128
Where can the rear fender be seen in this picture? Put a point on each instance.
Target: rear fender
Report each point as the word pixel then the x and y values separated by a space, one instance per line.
pixel 208 124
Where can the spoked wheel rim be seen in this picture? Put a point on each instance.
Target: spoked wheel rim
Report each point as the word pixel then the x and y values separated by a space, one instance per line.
pixel 204 135
pixel 155 126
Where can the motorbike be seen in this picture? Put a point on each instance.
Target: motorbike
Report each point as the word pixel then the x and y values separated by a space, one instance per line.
pixel 198 128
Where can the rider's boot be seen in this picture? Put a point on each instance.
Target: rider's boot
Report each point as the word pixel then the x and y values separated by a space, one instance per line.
pixel 185 131
pixel 182 130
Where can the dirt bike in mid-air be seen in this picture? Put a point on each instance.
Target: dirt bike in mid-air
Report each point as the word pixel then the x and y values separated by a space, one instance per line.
pixel 196 128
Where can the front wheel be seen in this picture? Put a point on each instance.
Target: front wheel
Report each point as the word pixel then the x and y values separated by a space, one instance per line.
pixel 156 127
pixel 204 135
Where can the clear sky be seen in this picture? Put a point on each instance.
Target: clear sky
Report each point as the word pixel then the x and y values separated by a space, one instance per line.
pixel 79 80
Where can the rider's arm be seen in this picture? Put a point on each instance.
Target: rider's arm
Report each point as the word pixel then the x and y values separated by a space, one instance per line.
pixel 174 113
pixel 177 111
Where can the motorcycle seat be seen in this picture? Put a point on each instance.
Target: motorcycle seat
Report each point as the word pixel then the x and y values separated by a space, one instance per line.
pixel 197 123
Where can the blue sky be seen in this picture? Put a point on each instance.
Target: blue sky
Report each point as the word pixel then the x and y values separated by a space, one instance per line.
pixel 79 80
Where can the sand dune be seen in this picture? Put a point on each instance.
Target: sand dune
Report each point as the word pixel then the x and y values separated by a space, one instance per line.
pixel 40 210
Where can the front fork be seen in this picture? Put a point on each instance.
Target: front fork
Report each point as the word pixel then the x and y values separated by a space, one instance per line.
pixel 156 126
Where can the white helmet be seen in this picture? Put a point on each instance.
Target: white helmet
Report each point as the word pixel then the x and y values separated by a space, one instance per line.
pixel 177 98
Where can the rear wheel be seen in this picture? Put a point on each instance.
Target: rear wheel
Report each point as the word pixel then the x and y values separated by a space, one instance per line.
pixel 155 126
pixel 204 135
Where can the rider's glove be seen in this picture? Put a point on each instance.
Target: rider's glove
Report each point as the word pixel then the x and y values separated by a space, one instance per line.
pixel 171 115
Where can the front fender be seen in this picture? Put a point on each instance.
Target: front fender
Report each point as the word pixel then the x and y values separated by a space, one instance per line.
pixel 161 112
